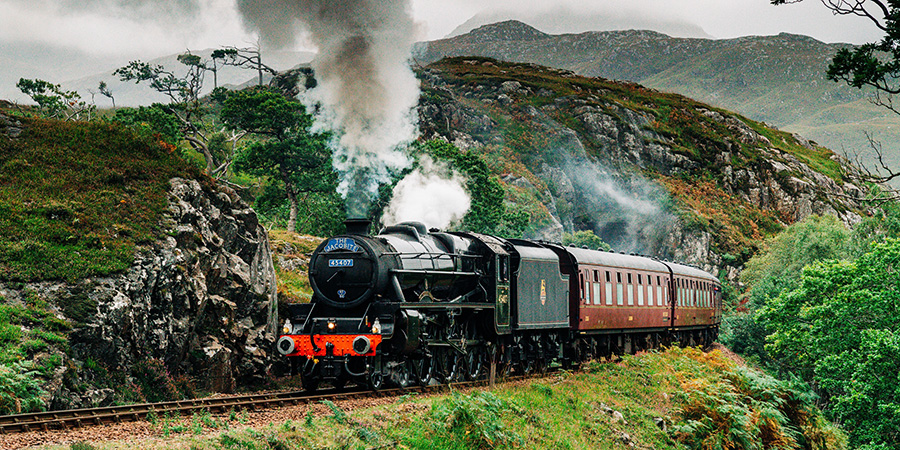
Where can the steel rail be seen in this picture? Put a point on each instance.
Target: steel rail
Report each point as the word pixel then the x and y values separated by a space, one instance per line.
pixel 76 418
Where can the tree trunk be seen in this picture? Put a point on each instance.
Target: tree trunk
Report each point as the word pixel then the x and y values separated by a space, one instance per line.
pixel 292 197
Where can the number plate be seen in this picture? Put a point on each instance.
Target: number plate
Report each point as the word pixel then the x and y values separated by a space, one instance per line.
pixel 340 263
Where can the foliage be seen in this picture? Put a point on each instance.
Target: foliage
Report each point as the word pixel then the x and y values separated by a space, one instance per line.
pixel 77 198
pixel 735 407
pixel 157 384
pixel 568 410
pixel 884 223
pixel 151 121
pixel 19 389
pixel 838 330
pixel 488 212
pixel 585 238
pixel 297 159
pixel 266 112
pixel 776 268
pixel 323 212
pixel 184 104
pixel 54 102
pixel 29 329
pixel 474 419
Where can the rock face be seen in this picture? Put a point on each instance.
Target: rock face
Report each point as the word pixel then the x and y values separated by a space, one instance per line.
pixel 202 299
pixel 597 155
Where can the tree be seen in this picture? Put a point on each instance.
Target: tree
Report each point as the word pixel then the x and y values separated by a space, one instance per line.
pixel 104 90
pixel 184 102
pixel 247 57
pixel 585 238
pixel 839 330
pixel 299 159
pixel 777 268
pixel 488 212
pixel 54 102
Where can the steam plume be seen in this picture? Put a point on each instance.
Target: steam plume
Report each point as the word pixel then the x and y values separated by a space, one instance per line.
pixel 430 196
pixel 366 87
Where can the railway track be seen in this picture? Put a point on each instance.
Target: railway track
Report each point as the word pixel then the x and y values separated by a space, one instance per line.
pixel 76 418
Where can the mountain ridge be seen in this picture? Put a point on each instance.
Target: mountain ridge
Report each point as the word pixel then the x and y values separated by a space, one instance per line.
pixel 777 79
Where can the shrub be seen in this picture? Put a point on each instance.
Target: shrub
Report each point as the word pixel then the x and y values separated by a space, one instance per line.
pixel 19 389
pixel 475 419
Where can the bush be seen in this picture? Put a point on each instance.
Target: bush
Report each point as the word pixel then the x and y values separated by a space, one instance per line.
pixel 742 408
pixel 19 389
pixel 474 419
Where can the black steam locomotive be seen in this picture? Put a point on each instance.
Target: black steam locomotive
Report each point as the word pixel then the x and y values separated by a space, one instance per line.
pixel 416 306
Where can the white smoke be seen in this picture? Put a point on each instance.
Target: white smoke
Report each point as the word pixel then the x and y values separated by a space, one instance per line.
pixel 431 194
pixel 366 88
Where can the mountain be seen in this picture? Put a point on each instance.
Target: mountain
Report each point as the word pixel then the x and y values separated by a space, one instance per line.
pixel 778 79
pixel 562 19
pixel 647 171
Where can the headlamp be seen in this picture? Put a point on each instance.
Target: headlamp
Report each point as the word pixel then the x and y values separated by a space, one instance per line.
pixel 376 327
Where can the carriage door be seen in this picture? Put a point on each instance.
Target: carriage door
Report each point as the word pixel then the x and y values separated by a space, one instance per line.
pixel 502 309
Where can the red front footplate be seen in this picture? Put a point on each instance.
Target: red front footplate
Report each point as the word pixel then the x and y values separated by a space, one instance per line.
pixel 343 344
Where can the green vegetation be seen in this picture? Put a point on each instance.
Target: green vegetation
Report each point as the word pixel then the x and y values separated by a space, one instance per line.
pixel 821 306
pixel 297 160
pixel 838 330
pixel 488 212
pixel 293 250
pixel 31 338
pixel 77 198
pixel 675 399
pixel 778 268
pixel 585 239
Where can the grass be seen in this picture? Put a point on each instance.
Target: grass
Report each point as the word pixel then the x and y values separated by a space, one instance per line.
pixel 293 285
pixel 76 199
pixel 674 399
pixel 29 330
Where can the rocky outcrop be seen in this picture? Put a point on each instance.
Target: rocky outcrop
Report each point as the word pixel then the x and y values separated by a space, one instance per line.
pixel 9 126
pixel 597 154
pixel 202 298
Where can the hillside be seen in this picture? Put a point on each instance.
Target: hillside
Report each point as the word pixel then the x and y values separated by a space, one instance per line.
pixel 120 265
pixel 649 172
pixel 778 80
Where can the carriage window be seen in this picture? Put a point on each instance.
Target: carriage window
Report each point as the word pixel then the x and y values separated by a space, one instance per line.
pixel 584 288
pixel 693 293
pixel 659 294
pixel 620 291
pixel 609 290
pixel 640 291
pixel 596 276
pixel 630 291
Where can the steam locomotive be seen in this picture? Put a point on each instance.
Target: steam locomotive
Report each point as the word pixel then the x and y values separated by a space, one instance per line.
pixel 417 306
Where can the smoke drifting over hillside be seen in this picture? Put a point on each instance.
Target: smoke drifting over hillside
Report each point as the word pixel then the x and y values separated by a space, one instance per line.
pixel 366 87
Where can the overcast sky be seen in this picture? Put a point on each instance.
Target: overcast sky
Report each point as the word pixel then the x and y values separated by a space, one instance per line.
pixel 148 28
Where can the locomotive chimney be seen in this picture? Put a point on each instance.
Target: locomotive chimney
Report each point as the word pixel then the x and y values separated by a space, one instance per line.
pixel 358 226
